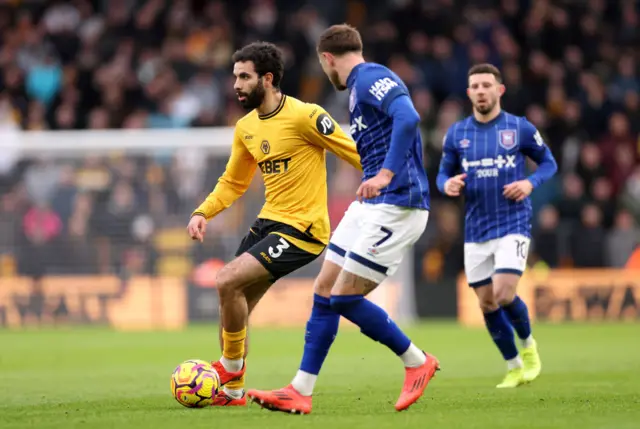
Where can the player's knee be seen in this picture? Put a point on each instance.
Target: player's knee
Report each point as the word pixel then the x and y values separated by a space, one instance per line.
pixel 488 304
pixel 323 284
pixel 326 279
pixel 505 296
pixel 322 288
pixel 226 284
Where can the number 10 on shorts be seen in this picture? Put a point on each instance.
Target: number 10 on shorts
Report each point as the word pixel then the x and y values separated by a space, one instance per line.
pixel 521 249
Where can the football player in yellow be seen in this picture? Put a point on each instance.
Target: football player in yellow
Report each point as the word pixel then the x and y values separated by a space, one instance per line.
pixel 286 139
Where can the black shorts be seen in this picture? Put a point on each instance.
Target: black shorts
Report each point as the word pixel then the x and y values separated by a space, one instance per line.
pixel 277 254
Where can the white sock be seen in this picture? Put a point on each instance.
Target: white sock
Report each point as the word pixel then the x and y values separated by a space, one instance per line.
pixel 528 342
pixel 232 365
pixel 304 383
pixel 234 393
pixel 516 362
pixel 413 357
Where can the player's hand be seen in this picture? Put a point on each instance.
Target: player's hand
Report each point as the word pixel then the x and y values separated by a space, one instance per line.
pixel 454 185
pixel 371 188
pixel 197 227
pixel 518 191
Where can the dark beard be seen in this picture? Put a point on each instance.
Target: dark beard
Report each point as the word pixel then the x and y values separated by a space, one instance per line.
pixel 254 98
pixel 487 109
pixel 335 80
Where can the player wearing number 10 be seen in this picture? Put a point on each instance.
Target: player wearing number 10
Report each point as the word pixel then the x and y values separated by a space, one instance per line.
pixel 484 158
pixel 286 139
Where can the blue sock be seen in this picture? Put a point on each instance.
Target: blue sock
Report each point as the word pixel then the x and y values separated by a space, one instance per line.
pixel 373 321
pixel 501 332
pixel 518 314
pixel 322 328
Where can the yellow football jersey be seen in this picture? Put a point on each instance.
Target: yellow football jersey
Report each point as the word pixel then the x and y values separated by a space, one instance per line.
pixel 288 145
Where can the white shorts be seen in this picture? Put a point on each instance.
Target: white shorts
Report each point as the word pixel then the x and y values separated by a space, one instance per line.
pixel 371 239
pixel 506 255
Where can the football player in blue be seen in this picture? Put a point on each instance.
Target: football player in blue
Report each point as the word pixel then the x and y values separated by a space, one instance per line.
pixel 484 159
pixel 375 232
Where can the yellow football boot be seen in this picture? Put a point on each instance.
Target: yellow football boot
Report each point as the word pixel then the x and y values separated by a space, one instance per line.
pixel 531 362
pixel 514 378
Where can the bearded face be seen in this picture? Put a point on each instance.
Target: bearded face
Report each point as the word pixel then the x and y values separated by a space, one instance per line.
pixel 328 66
pixel 484 92
pixel 249 86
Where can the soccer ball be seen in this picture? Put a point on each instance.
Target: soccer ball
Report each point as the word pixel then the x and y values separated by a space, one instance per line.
pixel 194 383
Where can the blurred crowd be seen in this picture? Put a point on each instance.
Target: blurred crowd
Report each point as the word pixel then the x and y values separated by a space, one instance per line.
pixel 572 67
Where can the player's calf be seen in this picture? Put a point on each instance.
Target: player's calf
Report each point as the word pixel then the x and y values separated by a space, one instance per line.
pixel 320 332
pixel 505 285
pixel 499 328
pixel 348 299
pixel 234 391
pixel 516 310
pixel 232 283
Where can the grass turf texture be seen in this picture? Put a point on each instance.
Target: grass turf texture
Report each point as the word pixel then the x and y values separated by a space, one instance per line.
pixel 91 377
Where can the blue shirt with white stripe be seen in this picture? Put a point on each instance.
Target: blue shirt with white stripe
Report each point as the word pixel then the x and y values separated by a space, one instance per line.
pixel 493 155
pixel 384 125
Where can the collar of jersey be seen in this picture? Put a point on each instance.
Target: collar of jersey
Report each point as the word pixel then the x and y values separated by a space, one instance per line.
pixel 275 112
pixel 352 75
pixel 491 122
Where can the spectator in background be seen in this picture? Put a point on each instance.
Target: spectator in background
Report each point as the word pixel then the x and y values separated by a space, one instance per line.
pixel 572 68
pixel 41 227
pixel 631 195
pixel 590 166
pixel 587 250
pixel 573 198
pixel 622 240
pixel 546 237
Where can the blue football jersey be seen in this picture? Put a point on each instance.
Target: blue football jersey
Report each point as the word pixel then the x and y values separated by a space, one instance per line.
pixel 372 87
pixel 493 155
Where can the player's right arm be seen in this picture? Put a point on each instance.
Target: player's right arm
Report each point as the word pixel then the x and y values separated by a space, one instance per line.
pixel 231 185
pixel 449 183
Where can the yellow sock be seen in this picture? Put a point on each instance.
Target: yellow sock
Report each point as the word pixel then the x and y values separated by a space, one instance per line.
pixel 233 344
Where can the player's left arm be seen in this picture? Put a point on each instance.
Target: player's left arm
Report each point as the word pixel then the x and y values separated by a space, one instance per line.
pixel 383 92
pixel 532 145
pixel 319 128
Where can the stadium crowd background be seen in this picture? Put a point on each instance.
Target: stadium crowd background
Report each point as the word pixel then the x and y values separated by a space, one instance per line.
pixel 571 67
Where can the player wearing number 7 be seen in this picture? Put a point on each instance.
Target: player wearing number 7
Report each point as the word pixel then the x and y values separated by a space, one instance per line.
pixel 373 236
pixel 287 139
pixel 484 160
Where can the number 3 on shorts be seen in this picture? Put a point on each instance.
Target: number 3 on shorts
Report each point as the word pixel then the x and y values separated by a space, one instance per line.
pixel 284 245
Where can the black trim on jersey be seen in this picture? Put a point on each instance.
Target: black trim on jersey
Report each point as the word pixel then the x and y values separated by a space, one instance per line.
pixel 275 112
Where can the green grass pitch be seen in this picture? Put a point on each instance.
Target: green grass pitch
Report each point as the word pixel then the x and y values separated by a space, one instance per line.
pixel 97 378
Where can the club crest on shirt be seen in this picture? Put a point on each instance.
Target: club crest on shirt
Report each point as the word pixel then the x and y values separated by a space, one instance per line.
pixel 265 147
pixel 352 100
pixel 464 143
pixel 507 139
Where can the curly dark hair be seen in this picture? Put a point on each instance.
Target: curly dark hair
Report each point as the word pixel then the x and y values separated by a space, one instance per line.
pixel 266 58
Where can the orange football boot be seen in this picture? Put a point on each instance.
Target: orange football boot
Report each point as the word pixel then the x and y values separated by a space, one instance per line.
pixel 416 381
pixel 227 376
pixel 224 400
pixel 287 400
